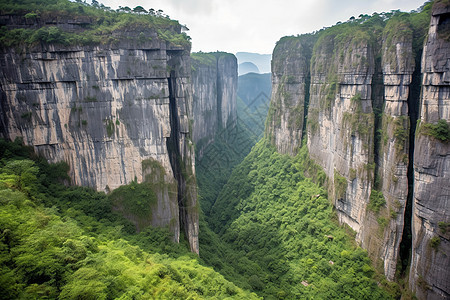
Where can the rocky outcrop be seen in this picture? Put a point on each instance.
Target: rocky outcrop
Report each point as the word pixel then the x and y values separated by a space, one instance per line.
pixel 106 110
pixel 290 89
pixel 214 86
pixel 429 275
pixel 360 109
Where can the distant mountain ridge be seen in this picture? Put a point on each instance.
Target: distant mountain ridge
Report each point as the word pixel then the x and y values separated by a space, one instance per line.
pixel 262 61
pixel 247 67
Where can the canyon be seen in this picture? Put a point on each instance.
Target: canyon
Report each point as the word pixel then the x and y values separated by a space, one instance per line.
pixel 368 98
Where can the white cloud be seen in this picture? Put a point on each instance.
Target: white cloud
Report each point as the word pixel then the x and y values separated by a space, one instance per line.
pixel 255 25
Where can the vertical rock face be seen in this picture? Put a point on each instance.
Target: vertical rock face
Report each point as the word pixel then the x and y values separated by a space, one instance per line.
pixel 397 67
pixel 290 85
pixel 340 121
pixel 429 275
pixel 360 110
pixel 227 88
pixel 106 110
pixel 214 86
pixel 204 91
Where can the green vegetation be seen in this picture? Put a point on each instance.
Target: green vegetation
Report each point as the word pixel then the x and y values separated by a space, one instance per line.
pixel 67 243
pixel 444 227
pixel 27 115
pixel 109 127
pixel 340 185
pixel 134 198
pixel 376 201
pixel 439 130
pixel 98 24
pixel 358 121
pixel 200 58
pixel 356 98
pixel 401 130
pixel 214 167
pixel 397 30
pixel 382 222
pixel 313 120
pixel 435 242
pixel 207 59
pixel 277 223
pixel 90 99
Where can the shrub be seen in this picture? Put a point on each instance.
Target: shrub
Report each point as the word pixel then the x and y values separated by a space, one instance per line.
pixel 376 201
pixel 439 130
pixel 435 242
pixel 444 227
pixel 109 127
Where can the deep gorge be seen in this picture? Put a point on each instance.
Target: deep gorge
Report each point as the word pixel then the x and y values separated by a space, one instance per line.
pixel 345 195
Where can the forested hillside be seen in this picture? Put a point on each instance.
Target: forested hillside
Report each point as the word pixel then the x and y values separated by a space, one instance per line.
pixel 286 234
pixel 59 242
pixel 68 243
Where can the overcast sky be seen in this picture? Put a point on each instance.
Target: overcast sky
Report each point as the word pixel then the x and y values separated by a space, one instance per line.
pixel 256 25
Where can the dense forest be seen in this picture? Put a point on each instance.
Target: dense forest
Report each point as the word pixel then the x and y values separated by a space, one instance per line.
pixel 277 236
pixel 67 243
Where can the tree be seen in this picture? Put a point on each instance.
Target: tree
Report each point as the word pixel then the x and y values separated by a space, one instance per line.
pixel 125 9
pixel 139 9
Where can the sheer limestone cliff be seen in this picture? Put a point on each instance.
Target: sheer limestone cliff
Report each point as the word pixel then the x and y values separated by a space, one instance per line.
pixel 115 112
pixel 340 119
pixel 360 110
pixel 290 85
pixel 392 147
pixel 214 87
pixel 430 274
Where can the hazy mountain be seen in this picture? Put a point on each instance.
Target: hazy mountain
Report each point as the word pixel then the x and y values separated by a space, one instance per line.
pixel 251 85
pixel 262 61
pixel 247 67
pixel 253 101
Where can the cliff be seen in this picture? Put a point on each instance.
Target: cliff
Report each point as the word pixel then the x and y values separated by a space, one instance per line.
pixel 356 85
pixel 115 111
pixel 429 275
pixel 290 89
pixel 214 89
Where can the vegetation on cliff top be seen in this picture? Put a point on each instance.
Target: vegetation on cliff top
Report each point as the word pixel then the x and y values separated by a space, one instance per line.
pixel 47 22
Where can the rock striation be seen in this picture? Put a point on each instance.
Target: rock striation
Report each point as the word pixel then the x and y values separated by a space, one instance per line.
pixel 214 89
pixel 356 85
pixel 290 89
pixel 429 275
pixel 110 111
